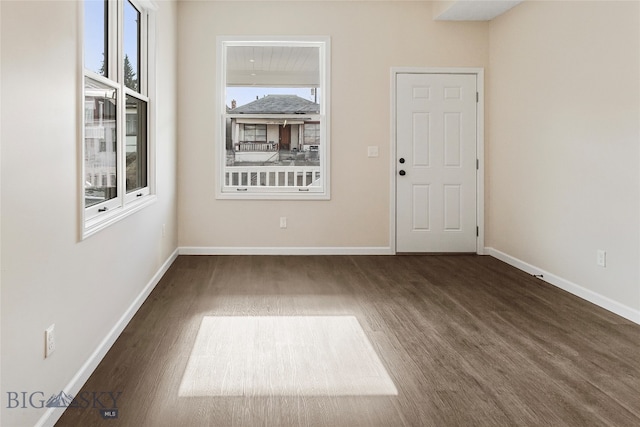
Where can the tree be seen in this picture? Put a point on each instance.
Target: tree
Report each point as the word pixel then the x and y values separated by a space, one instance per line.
pixel 102 70
pixel 130 79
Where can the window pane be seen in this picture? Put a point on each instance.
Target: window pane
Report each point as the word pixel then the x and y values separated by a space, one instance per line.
pixel 95 36
pixel 312 133
pixel 277 85
pixel 254 133
pixel 131 47
pixel 100 142
pixel 136 144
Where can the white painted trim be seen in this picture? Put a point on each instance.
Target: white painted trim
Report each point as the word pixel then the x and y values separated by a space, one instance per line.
pixel 148 4
pixel 52 415
pixel 80 192
pixel 363 250
pixel 91 227
pixel 573 288
pixel 392 156
pixel 479 73
pixel 480 157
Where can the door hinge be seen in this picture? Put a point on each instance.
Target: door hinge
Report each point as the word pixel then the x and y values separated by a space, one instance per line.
pixel 477 164
pixel 477 231
pixel 477 96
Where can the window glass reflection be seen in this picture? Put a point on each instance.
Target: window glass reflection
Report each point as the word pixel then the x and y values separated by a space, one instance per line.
pixel 136 144
pixel 100 142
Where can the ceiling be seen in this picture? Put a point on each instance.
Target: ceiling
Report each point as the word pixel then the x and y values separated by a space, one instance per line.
pixel 273 66
pixel 472 10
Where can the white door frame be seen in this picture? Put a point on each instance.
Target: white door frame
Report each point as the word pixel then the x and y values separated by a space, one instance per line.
pixel 479 73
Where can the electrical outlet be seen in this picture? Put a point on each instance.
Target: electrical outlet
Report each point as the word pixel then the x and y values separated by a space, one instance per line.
pixel 49 341
pixel 601 258
pixel 283 222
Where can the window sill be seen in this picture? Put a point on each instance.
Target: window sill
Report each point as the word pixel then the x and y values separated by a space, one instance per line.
pixel 100 222
pixel 249 193
pixel 272 196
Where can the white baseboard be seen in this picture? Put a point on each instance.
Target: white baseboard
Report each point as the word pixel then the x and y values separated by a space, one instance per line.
pixel 364 250
pixel 52 415
pixel 577 290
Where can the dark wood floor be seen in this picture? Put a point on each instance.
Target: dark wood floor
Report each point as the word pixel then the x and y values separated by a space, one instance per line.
pixel 467 340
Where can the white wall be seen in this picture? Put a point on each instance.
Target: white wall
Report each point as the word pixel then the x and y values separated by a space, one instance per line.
pixel 368 38
pixel 562 155
pixel 563 142
pixel 48 276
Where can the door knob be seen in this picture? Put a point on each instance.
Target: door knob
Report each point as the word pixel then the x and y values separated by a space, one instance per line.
pixel 402 173
pixel 401 160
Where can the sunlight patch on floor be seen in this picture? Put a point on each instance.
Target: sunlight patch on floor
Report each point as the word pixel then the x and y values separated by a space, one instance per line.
pixel 284 356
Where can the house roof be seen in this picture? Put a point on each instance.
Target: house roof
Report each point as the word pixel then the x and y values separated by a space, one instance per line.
pixel 278 104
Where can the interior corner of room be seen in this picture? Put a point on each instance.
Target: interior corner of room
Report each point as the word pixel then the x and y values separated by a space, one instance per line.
pixel 551 106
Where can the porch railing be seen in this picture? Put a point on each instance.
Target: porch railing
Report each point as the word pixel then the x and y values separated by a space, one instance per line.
pixel 271 176
pixel 255 146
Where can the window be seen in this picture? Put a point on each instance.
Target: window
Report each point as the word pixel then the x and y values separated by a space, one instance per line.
pixel 255 133
pixel 118 72
pixel 132 121
pixel 311 133
pixel 273 110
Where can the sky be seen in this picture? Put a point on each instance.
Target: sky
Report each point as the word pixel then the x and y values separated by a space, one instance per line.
pixel 95 34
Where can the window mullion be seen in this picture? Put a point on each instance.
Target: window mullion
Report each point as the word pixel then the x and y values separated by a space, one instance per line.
pixel 122 135
pixel 122 131
pixel 112 41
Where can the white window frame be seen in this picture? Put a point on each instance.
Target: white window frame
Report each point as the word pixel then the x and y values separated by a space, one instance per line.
pixel 319 192
pixel 95 218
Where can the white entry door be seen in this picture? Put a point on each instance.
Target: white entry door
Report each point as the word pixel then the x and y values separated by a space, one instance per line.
pixel 436 163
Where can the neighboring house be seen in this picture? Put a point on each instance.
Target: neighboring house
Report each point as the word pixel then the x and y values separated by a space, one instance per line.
pixel 261 129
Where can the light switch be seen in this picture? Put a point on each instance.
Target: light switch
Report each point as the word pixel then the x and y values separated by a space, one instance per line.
pixel 372 151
